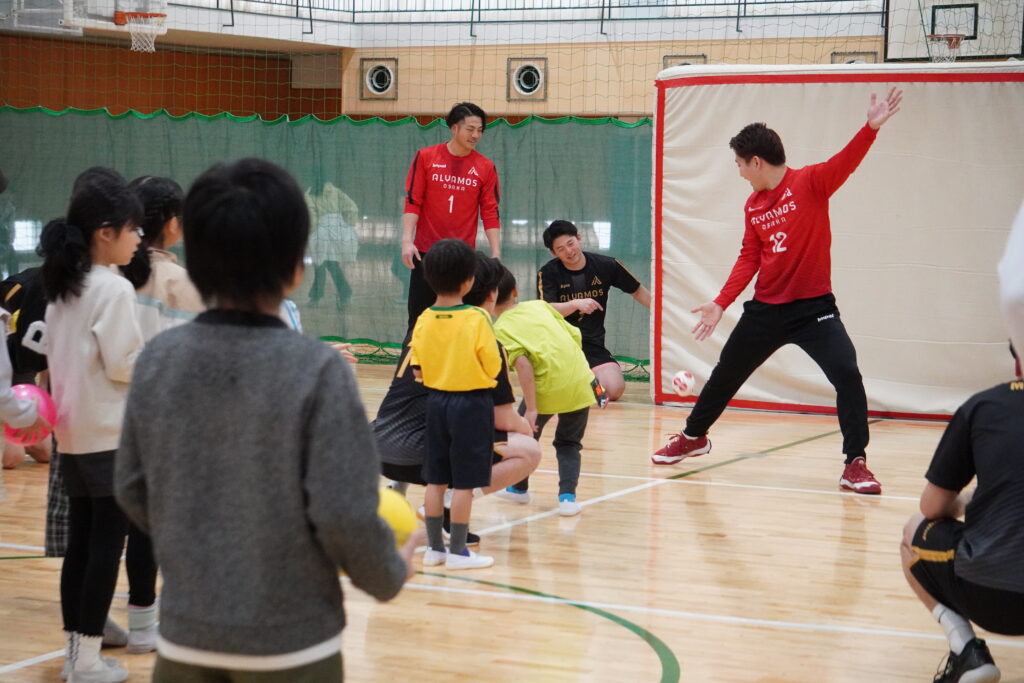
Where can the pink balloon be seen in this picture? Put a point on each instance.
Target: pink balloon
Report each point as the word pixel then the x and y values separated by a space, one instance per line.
pixel 44 404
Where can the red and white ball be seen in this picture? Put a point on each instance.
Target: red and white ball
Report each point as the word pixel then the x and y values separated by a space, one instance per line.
pixel 683 382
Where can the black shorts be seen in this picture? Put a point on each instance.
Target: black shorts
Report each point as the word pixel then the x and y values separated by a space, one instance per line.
pixel 88 475
pixel 596 354
pixel 413 474
pixel 935 544
pixel 460 438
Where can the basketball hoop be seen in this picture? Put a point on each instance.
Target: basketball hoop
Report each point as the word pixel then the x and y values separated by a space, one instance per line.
pixel 944 47
pixel 143 27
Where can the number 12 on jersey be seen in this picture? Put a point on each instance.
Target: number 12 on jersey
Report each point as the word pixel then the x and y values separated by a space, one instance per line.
pixel 777 240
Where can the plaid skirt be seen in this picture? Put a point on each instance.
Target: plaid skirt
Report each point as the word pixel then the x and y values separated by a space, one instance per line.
pixel 56 511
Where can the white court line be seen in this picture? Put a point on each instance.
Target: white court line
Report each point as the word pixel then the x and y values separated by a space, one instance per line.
pixel 698 482
pixel 703 616
pixel 15 546
pixel 549 513
pixel 29 662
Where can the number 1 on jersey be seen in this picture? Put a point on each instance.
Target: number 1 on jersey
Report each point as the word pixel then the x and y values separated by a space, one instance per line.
pixel 451 203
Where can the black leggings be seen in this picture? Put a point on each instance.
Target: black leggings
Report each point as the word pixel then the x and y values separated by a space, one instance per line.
pixel 141 568
pixel 814 326
pixel 96 531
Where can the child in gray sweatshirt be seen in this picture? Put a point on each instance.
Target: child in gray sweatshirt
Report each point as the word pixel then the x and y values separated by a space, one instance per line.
pixel 246 454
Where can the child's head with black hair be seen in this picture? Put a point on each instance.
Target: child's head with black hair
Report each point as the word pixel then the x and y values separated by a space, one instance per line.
pixel 246 228
pixel 485 281
pixel 506 286
pixel 101 209
pixel 162 201
pixel 448 266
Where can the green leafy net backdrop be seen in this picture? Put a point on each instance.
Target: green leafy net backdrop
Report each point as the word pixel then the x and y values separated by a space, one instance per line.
pixel 594 172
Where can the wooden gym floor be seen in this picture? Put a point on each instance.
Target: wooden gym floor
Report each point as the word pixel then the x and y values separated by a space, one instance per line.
pixel 746 564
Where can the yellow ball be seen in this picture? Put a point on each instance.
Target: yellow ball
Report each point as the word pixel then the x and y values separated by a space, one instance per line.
pixel 398 513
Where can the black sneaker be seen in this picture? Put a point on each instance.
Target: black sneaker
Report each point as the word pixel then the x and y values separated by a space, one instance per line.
pixel 973 665
pixel 446 527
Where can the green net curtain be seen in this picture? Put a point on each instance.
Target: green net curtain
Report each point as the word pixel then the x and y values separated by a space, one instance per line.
pixel 594 172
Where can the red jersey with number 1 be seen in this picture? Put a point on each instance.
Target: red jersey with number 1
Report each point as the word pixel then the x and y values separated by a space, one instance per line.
pixel 788 238
pixel 450 194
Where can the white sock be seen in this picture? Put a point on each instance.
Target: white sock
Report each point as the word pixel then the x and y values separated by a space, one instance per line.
pixel 69 645
pixel 958 630
pixel 687 436
pixel 88 652
pixel 141 618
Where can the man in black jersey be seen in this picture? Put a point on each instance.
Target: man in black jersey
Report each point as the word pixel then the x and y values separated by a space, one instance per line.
pixel 970 571
pixel 576 283
pixel 401 423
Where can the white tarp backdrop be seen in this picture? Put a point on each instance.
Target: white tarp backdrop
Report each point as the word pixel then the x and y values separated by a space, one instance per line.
pixel 917 229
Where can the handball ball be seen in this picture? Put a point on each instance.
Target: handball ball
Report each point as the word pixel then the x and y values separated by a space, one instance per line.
pixel 44 405
pixel 683 382
pixel 398 513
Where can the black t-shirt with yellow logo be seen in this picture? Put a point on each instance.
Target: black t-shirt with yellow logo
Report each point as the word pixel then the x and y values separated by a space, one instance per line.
pixel 558 284
pixel 984 440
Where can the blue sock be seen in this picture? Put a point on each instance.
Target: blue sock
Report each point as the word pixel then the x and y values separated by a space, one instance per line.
pixel 562 497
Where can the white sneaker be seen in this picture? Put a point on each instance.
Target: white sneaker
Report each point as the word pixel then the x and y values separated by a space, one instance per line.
pixel 470 561
pixel 69 664
pixel 142 629
pixel 568 507
pixel 106 670
pixel 510 494
pixel 114 635
pixel 432 558
pixel 141 641
pixel 448 497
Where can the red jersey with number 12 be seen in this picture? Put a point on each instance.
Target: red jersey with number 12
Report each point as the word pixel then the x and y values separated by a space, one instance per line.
pixel 449 194
pixel 788 238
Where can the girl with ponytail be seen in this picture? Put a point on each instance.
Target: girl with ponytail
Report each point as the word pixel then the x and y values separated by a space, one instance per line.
pixel 165 295
pixel 92 340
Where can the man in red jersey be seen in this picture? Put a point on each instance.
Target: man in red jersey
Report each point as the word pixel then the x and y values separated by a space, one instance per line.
pixel 449 188
pixel 787 242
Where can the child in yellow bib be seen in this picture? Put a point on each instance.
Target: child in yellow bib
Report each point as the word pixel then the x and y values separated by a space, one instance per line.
pixel 456 354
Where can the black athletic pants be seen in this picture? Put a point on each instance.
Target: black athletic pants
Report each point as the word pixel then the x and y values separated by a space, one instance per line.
pixel 421 296
pixel 568 443
pixel 814 326
pixel 320 272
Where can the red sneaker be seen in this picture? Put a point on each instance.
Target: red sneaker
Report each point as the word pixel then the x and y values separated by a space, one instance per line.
pixel 679 447
pixel 858 478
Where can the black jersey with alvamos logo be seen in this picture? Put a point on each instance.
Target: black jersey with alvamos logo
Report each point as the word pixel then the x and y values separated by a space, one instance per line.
pixel 557 284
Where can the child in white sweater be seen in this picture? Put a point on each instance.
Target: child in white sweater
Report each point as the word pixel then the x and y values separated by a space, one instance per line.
pixel 92 340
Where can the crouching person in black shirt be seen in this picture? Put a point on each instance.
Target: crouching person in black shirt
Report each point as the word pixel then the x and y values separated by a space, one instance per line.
pixel 970 571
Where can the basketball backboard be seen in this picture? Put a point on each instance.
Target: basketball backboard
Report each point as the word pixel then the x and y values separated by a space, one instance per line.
pixel 992 29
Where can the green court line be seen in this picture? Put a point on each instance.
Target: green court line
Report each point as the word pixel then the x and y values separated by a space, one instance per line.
pixel 670 670
pixel 24 557
pixel 759 453
pixel 709 467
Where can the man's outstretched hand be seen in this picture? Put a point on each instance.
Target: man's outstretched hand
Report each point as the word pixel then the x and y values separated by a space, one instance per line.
pixel 880 112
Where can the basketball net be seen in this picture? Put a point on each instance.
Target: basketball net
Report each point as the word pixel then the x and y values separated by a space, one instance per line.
pixel 143 27
pixel 944 47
